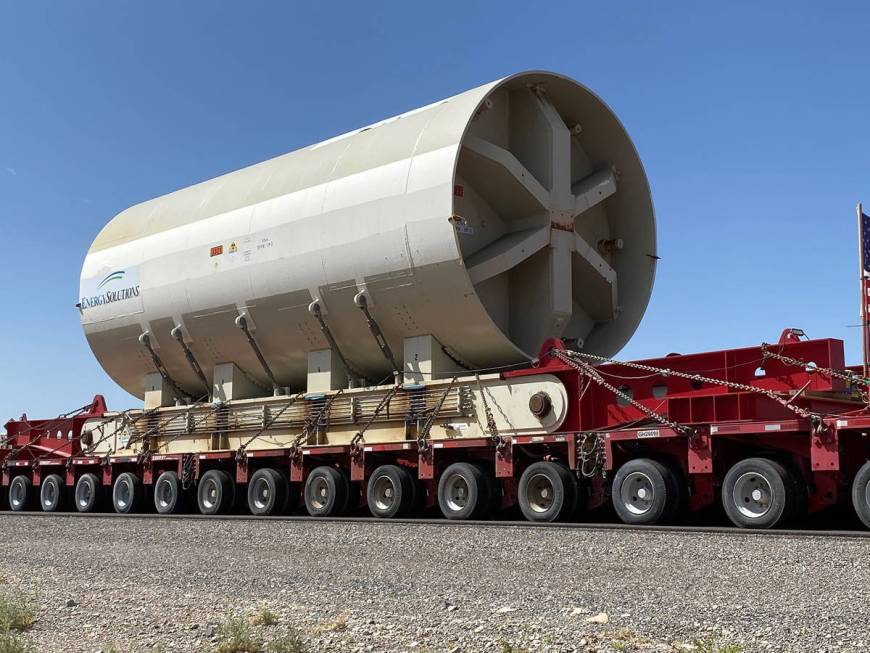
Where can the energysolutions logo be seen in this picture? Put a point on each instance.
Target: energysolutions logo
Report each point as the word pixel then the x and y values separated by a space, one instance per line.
pixel 112 276
pixel 117 286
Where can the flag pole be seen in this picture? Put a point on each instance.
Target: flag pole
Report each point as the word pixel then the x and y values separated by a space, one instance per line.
pixel 864 286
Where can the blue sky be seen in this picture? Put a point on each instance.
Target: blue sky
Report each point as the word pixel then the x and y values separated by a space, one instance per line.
pixel 753 121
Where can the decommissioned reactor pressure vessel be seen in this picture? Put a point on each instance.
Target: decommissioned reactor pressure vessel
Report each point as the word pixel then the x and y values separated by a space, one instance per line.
pixel 492 220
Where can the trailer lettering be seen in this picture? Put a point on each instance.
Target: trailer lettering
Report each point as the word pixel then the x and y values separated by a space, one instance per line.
pixel 110 297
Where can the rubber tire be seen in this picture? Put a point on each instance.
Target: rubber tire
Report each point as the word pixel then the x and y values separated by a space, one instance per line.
pixel 564 485
pixel 338 492
pixel 96 487
pixel 479 500
pixel 405 497
pixel 225 492
pixel 860 500
pixel 279 492
pixel 666 492
pixel 137 493
pixel 27 501
pixel 284 491
pixel 781 482
pixel 59 485
pixel 176 501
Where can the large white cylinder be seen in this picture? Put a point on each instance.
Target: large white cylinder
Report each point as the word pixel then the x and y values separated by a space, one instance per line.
pixel 513 212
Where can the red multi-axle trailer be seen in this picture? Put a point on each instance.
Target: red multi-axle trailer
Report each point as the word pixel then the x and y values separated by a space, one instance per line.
pixel 773 432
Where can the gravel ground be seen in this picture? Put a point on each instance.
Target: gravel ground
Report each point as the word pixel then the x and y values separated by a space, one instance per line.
pixel 168 585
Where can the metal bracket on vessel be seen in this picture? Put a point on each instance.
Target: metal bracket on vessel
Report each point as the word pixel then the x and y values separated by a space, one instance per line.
pixel 242 322
pixel 315 309
pixel 145 341
pixel 178 333
pixel 362 303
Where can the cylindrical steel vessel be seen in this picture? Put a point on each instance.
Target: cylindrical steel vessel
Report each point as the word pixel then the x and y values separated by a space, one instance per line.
pixel 492 220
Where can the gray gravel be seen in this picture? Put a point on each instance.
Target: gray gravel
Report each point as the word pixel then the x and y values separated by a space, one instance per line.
pixel 161 584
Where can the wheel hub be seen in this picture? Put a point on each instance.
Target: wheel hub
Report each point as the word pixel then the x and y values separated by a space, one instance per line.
pixel 320 493
pixel 752 495
pixel 211 494
pixel 17 495
pixel 164 494
pixel 384 493
pixel 261 494
pixel 637 493
pixel 540 493
pixel 457 493
pixel 123 495
pixel 50 496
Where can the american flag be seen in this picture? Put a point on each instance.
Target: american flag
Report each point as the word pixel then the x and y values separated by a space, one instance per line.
pixel 865 243
pixel 864 221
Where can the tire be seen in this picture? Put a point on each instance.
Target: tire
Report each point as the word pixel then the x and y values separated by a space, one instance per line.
pixel 759 493
pixel 127 494
pixel 327 492
pixel 284 492
pixel 861 494
pixel 391 492
pixel 645 492
pixel 464 492
pixel 215 493
pixel 52 493
pixel 88 493
pixel 268 492
pixel 21 493
pixel 168 495
pixel 547 492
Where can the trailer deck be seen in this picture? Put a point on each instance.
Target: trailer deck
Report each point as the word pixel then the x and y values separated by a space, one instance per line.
pixel 773 431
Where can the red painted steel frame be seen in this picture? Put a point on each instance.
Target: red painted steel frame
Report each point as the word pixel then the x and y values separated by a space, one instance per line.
pixel 40 442
pixel 729 424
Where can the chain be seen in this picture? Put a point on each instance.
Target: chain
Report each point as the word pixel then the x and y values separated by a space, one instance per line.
pixel 40 432
pixel 490 420
pixel 144 456
pixel 360 435
pixel 156 429
pixel 312 422
pixel 192 426
pixel 423 433
pixel 127 422
pixel 124 417
pixel 845 375
pixel 64 443
pixel 240 452
pixel 187 471
pixel 590 454
pixel 585 368
pixel 161 369
pixel 785 403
